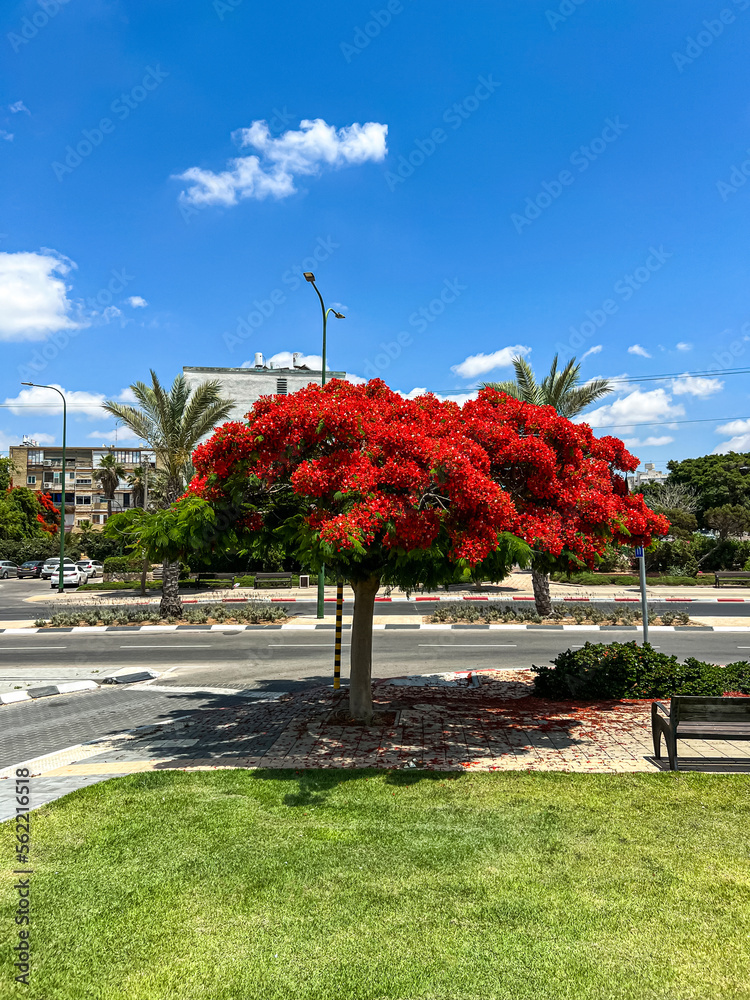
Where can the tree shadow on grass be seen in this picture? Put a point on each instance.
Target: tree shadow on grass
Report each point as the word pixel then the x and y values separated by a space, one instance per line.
pixel 313 785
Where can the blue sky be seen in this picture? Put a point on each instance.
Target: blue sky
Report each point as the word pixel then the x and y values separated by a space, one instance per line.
pixel 467 182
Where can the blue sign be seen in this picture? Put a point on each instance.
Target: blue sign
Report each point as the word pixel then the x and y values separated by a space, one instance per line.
pixel 639 552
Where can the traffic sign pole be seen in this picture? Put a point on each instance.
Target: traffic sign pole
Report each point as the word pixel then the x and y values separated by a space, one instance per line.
pixel 640 556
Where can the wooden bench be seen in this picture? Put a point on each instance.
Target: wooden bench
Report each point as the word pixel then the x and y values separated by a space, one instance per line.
pixel 282 578
pixel 693 718
pixel 729 575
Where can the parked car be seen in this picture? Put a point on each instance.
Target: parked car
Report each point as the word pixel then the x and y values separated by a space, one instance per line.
pixel 7 568
pixel 91 568
pixel 31 568
pixel 51 566
pixel 72 576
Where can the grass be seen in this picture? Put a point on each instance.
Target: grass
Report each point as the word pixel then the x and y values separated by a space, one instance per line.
pixel 120 585
pixel 346 884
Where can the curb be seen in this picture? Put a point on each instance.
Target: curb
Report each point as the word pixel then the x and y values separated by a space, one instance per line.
pixel 314 627
pixel 71 687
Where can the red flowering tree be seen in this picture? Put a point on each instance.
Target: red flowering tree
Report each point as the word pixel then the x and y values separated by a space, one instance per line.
pixel 26 514
pixel 387 490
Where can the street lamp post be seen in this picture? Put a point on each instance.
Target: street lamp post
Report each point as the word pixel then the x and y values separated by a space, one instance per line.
pixel 309 276
pixel 60 583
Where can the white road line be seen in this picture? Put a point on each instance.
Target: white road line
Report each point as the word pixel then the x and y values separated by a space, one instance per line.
pixel 301 645
pixel 181 646
pixel 470 645
pixel 31 647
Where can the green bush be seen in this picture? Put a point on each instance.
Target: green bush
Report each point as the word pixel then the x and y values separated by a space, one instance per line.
pixel 251 613
pixel 627 670
pixel 123 564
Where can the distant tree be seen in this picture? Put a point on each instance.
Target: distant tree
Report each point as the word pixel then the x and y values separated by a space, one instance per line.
pixel 6 473
pixel 681 524
pixel 27 514
pixel 670 495
pixel 108 475
pixel 730 520
pixel 172 422
pixel 716 480
pixel 563 390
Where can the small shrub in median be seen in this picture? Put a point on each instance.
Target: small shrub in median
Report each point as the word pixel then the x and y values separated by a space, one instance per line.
pixel 581 614
pixel 251 613
pixel 627 670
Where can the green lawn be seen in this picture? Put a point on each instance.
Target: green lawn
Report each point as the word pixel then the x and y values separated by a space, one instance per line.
pixel 400 885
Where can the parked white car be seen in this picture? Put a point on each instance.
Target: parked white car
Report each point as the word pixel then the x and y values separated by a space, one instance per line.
pixel 72 576
pixel 91 568
pixel 51 567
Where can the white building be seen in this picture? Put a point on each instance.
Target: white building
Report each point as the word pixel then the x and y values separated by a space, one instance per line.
pixel 246 385
pixel 650 474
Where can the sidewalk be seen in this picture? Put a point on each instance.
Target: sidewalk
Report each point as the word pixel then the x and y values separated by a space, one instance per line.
pixel 485 721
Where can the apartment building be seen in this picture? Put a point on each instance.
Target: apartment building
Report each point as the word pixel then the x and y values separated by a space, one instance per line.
pixel 40 468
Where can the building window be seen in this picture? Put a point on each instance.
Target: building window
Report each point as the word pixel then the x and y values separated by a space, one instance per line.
pixel 70 475
pixel 99 518
pixel 126 499
pixel 83 500
pixel 281 386
pixel 31 480
pixel 35 458
pixel 83 482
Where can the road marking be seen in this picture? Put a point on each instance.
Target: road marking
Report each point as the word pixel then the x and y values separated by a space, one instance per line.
pixel 470 645
pixel 32 647
pixel 301 645
pixel 202 645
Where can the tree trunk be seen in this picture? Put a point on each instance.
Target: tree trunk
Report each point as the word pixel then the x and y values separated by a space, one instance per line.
pixel 170 590
pixel 144 572
pixel 360 673
pixel 541 592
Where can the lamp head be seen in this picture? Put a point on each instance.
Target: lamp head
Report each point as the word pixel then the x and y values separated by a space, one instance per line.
pixel 338 315
pixel 309 276
pixel 27 383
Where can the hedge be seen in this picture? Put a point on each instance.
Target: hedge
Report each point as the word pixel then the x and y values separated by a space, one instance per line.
pixel 123 564
pixel 627 670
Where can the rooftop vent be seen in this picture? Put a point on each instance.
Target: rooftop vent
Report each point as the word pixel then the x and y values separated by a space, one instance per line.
pixel 259 363
pixel 295 359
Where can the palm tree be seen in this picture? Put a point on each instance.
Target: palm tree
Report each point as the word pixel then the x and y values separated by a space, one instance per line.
pixel 172 422
pixel 137 483
pixel 108 475
pixel 561 389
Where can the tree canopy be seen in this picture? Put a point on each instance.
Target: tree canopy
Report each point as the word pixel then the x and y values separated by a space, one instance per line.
pixel 385 489
pixel 717 480
pixel 560 388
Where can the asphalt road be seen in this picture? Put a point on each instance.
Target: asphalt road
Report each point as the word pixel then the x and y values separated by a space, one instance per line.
pixel 14 606
pixel 263 660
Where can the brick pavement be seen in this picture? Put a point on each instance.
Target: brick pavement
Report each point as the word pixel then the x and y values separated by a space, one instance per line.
pixel 486 720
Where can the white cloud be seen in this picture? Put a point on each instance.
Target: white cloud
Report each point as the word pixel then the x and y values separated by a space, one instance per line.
pixel 7 440
pixel 136 302
pixel 597 349
pixel 459 398
pixel 18 106
pixel 682 346
pixel 34 299
pixel 8 136
pixel 276 163
pixel 740 441
pixel 692 385
pixel 649 442
pixel 640 351
pixel 47 402
pixel 636 407
pixel 480 364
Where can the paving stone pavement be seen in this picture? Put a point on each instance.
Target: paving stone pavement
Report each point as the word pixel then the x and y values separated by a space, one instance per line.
pixel 480 720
